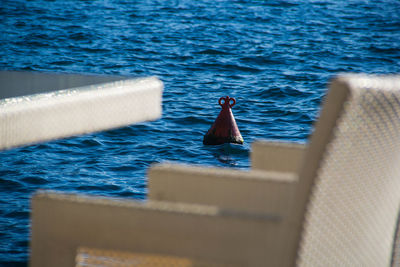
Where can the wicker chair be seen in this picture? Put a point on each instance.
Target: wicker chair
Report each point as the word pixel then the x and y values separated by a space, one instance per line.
pixel 332 202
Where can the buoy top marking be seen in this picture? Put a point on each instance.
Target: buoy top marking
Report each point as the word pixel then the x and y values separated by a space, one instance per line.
pixel 226 101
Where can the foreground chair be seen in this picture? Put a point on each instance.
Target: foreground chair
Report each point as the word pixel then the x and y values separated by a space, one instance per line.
pixel 337 204
pixel 37 107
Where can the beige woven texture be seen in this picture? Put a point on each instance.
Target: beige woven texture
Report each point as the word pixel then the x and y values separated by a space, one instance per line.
pixel 52 110
pixel 61 224
pixel 277 156
pixel 334 202
pixel 259 192
pixel 353 209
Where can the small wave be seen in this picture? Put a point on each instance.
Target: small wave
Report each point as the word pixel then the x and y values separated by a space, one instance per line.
pixel 126 194
pixel 98 188
pixel 34 180
pixel 261 60
pixel 124 168
pixel 191 119
pixel 212 52
pixel 95 50
pixel 386 50
pixel 78 36
pixel 8 184
pixel 229 67
pixel 63 62
pixel 17 214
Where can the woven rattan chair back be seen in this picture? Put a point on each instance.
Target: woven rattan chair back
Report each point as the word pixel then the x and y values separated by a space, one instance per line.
pixel 351 176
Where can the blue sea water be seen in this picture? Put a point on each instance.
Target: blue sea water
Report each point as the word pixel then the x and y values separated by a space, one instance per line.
pixel 274 57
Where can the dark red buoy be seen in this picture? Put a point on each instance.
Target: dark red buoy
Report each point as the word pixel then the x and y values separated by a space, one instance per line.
pixel 224 129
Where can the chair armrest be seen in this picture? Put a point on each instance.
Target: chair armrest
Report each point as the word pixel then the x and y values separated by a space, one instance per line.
pixel 91 104
pixel 277 156
pixel 254 191
pixel 61 224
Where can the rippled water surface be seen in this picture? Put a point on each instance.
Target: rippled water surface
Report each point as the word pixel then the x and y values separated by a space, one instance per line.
pixel 274 57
